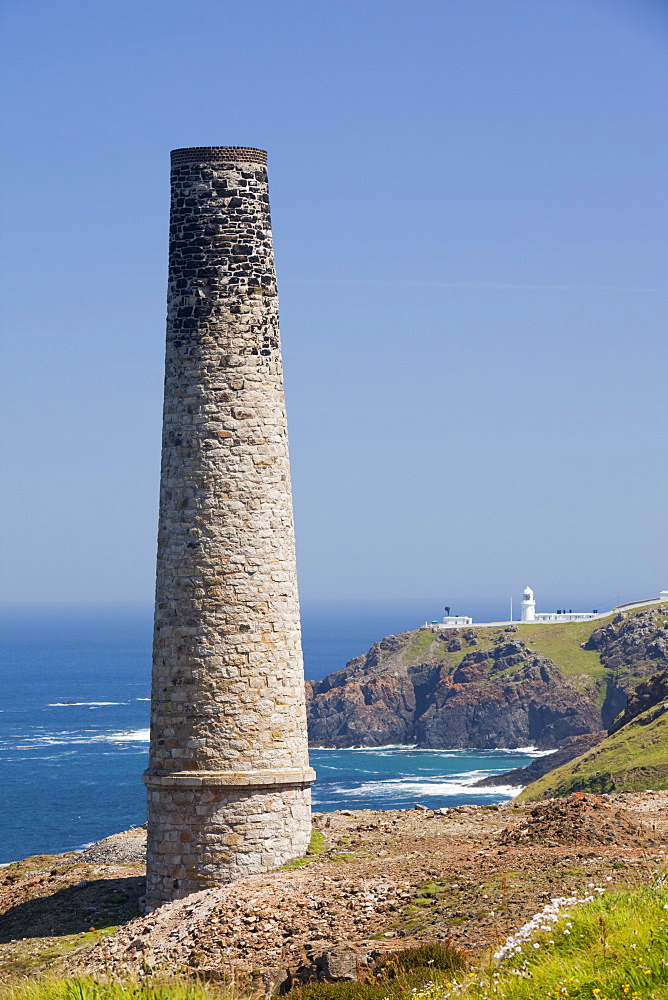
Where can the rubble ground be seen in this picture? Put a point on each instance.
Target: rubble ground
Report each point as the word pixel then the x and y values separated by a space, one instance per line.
pixel 384 880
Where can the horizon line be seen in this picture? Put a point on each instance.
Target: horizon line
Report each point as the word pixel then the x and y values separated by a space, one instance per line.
pixel 503 286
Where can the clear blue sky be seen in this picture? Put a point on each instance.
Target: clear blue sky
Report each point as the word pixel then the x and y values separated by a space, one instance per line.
pixel 469 205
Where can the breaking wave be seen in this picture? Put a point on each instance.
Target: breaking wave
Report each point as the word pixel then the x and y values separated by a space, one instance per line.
pixel 529 751
pixel 133 736
pixel 80 704
pixel 80 738
pixel 393 789
pixel 402 747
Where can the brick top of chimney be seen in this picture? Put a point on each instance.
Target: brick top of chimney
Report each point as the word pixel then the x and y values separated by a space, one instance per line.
pixel 218 154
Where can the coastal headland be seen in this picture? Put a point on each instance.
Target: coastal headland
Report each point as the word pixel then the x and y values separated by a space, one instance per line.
pixel 518 685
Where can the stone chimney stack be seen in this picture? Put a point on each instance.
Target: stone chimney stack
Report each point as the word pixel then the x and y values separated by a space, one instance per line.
pixel 228 777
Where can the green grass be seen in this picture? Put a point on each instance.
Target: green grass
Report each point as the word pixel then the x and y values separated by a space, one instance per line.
pixel 420 643
pixel 31 955
pixel 632 759
pixel 426 896
pixel 89 989
pixel 398 975
pixel 317 845
pixel 561 643
pixel 617 947
pixel 416 916
pixel 400 988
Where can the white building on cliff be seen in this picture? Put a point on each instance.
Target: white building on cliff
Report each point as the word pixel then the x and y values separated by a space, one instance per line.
pixel 529 613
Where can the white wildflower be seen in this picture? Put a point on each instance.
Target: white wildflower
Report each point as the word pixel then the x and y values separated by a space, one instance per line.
pixel 540 922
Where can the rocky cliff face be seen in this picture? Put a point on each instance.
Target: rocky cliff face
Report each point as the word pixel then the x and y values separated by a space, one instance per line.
pixel 651 693
pixel 506 695
pixel 631 647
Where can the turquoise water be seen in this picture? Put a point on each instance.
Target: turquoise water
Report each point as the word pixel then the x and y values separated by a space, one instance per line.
pixel 400 777
pixel 74 714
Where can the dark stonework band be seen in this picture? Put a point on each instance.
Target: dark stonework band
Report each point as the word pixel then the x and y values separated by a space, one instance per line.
pixel 219 154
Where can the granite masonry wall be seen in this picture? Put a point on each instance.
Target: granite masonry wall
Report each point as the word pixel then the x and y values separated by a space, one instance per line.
pixel 228 778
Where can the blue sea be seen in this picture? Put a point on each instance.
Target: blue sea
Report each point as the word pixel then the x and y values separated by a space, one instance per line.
pixel 74 715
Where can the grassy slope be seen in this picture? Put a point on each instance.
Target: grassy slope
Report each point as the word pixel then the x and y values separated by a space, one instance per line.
pixel 560 643
pixel 632 759
pixel 563 645
pixel 616 948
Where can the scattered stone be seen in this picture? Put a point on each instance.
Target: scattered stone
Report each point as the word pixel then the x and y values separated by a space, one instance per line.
pixel 384 878
pixel 580 818
pixel 127 848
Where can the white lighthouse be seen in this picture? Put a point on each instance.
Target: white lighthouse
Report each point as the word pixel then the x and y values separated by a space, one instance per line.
pixel 528 606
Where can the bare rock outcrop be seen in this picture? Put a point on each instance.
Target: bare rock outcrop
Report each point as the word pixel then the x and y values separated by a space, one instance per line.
pixel 126 848
pixel 508 696
pixel 631 647
pixel 652 693
pixel 504 696
pixel 578 819
pixel 276 925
